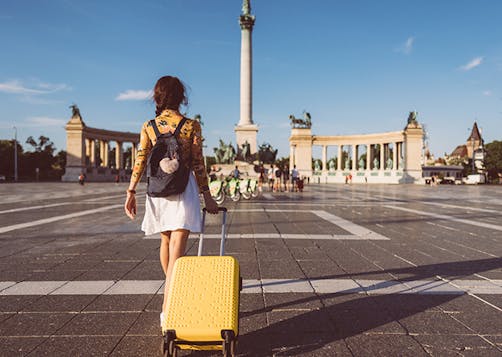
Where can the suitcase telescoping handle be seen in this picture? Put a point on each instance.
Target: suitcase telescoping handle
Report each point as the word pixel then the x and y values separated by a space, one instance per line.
pixel 223 230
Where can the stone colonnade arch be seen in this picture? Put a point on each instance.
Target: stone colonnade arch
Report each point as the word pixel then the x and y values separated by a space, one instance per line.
pixel 89 151
pixel 391 157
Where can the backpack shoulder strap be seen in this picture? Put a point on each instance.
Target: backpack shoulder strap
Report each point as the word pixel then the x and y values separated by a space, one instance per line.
pixel 178 128
pixel 155 129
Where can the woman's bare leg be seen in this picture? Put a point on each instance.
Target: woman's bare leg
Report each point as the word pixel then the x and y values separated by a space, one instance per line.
pixel 164 250
pixel 177 245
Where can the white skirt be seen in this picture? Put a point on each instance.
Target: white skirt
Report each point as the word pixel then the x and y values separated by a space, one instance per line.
pixel 181 211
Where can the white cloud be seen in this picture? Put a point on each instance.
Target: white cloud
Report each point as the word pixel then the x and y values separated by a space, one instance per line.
pixel 131 94
pixel 45 121
pixel 17 87
pixel 407 47
pixel 475 62
pixel 488 93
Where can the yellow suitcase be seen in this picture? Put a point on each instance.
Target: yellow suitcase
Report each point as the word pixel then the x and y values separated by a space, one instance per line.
pixel 203 302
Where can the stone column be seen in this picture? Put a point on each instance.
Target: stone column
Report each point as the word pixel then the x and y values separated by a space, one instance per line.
pixel 292 156
pixel 354 157
pixel 246 130
pixel 133 154
pixel 88 148
pixel 105 156
pixel 394 156
pixel 92 157
pixel 101 152
pixel 368 157
pixel 339 159
pixel 118 156
pixel 413 134
pixel 324 155
pixel 382 156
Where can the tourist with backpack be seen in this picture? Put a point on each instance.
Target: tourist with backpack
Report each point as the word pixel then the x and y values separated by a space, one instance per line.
pixel 170 151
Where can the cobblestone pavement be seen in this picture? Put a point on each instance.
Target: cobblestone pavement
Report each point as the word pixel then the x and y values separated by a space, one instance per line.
pixel 346 270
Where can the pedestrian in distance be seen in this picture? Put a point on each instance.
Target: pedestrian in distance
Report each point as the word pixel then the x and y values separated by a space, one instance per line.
pixel 175 216
pixel 271 178
pixel 277 176
pixel 294 178
pixel 285 178
pixel 81 179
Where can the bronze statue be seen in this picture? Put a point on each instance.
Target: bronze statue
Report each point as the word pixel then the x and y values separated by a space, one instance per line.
pixel 75 111
pixel 412 118
pixel 305 123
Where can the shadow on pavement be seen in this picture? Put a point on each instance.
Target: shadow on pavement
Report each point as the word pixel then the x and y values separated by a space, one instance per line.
pixel 343 316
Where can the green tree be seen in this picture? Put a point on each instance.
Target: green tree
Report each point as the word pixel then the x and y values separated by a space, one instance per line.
pixel 493 161
pixel 7 158
pixel 38 163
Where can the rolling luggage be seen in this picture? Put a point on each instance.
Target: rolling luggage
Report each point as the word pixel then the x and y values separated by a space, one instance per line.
pixel 203 302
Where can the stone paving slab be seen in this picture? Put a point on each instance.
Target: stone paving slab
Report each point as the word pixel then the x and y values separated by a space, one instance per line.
pixel 316 282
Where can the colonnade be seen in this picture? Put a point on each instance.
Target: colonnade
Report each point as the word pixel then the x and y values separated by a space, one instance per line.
pixel 98 151
pixel 391 157
pixel 89 150
pixel 381 156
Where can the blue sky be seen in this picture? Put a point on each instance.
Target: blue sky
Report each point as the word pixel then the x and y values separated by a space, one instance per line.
pixel 356 66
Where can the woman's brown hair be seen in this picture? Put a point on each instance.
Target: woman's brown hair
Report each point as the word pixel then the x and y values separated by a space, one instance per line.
pixel 169 93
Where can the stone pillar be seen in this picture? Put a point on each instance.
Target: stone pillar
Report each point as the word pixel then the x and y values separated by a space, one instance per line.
pixel 75 149
pixel 339 159
pixel 88 148
pixel 133 154
pixel 101 152
pixel 324 155
pixel 106 149
pixel 368 157
pixel 354 157
pixel 92 157
pixel 118 156
pixel 246 130
pixel 394 156
pixel 292 158
pixel 301 139
pixel 382 156
pixel 413 136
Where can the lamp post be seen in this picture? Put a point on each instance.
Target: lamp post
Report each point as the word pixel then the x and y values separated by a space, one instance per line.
pixel 15 154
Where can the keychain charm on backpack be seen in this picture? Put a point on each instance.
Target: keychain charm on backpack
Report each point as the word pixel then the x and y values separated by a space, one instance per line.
pixel 167 168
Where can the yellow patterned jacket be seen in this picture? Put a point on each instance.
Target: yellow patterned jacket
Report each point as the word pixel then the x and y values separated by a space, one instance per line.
pixel 190 139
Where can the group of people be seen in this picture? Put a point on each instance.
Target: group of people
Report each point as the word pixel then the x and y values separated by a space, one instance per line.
pixel 280 179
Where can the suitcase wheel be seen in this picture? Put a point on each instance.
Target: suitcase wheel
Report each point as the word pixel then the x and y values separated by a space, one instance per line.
pixel 228 343
pixel 167 347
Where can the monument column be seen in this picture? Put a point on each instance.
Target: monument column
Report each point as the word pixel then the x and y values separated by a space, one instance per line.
pixel 75 146
pixel 246 130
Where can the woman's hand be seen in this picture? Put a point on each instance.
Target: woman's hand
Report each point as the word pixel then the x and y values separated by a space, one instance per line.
pixel 130 205
pixel 211 205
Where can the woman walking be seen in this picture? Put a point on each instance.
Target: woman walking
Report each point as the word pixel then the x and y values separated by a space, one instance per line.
pixel 175 216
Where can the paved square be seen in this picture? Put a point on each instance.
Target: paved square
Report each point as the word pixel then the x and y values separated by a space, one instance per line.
pixel 348 270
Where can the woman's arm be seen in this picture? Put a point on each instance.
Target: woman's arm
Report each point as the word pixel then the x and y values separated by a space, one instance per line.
pixel 144 148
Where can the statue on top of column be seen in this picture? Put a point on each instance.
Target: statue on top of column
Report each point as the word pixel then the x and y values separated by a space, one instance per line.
pixel 75 111
pixel 246 7
pixel 412 118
